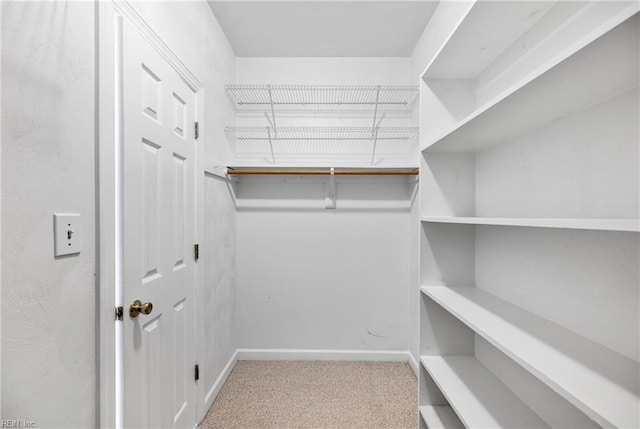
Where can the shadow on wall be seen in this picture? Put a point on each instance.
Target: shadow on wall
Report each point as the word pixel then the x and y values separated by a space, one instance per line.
pixel 309 193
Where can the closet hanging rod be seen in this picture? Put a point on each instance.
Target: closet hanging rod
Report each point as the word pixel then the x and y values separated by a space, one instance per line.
pixel 327 171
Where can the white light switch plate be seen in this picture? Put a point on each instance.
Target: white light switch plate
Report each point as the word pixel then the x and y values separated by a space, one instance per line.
pixel 67 231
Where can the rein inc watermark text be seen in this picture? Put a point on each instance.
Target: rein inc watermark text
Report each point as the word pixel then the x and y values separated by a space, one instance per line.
pixel 17 424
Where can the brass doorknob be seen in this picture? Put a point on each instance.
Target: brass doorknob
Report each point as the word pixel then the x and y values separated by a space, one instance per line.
pixel 138 307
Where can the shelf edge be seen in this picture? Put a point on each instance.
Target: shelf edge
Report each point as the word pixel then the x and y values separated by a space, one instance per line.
pixel 598 224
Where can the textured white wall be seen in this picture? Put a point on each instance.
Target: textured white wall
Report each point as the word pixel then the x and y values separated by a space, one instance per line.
pixel 323 71
pixel 48 304
pixel 332 281
pixel 219 329
pixel 0 218
pixel 311 278
pixel 48 138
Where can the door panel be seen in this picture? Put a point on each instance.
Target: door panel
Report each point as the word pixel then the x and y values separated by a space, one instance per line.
pixel 159 216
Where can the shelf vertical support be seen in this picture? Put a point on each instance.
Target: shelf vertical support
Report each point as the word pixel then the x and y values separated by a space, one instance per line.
pixel 374 126
pixel 375 113
pixel 375 142
pixel 273 115
pixel 273 158
pixel 266 115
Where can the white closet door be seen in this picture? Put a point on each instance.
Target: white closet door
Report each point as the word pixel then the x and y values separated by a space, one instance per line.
pixel 159 218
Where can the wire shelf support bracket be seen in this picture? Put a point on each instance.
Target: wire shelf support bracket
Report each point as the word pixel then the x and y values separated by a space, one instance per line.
pixel 273 114
pixel 273 157
pixel 375 142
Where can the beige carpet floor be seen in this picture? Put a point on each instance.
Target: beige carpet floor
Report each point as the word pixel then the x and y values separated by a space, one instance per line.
pixel 318 395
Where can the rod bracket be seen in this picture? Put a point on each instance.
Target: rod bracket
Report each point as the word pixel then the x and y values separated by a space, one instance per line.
pixel 330 199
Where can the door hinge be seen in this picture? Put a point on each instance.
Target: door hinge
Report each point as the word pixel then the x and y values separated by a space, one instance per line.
pixel 196 372
pixel 196 251
pixel 196 128
pixel 119 313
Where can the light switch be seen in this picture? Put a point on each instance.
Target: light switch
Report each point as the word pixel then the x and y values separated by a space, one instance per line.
pixel 67 231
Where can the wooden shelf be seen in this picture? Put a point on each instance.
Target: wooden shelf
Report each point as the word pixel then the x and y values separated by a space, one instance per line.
pixel 440 417
pixel 478 397
pixel 601 383
pixel 554 90
pixel 628 225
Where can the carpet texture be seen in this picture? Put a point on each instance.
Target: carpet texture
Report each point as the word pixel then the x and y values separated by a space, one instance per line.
pixel 318 395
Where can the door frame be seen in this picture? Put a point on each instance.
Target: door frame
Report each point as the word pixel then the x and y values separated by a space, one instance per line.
pixel 109 211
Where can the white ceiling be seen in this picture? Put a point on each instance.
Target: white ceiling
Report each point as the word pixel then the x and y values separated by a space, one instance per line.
pixel 329 28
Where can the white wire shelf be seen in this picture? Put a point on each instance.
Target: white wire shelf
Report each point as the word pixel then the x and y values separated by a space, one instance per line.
pixel 304 145
pixel 358 144
pixel 302 134
pixel 323 97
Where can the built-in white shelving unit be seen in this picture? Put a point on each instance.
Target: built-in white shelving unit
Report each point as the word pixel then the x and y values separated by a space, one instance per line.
pixel 631 225
pixel 356 135
pixel 440 417
pixel 497 75
pixel 479 397
pixel 568 362
pixel 540 102
pixel 529 197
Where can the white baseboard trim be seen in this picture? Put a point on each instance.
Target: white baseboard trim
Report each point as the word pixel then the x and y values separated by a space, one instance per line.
pixel 413 363
pixel 325 355
pixel 222 378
